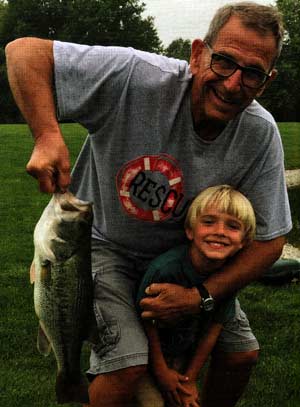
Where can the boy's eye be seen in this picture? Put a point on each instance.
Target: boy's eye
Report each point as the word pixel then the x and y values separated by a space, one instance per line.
pixel 207 221
pixel 234 226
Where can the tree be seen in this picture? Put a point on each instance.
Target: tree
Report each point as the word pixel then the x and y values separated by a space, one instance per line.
pixel 179 48
pixel 105 22
pixel 283 97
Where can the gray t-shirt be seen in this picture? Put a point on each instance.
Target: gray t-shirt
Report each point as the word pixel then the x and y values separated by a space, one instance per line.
pixel 143 163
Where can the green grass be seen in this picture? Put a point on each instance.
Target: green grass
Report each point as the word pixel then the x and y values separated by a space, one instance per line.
pixel 290 133
pixel 27 378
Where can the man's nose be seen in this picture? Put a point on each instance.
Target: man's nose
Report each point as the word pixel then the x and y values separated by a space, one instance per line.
pixel 234 82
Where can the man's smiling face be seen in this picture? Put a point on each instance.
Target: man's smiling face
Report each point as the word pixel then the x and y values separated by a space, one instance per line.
pixel 221 99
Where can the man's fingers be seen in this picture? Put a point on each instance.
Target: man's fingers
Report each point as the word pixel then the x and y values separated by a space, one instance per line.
pixel 47 184
pixel 63 180
pixel 52 177
pixel 153 289
pixel 147 314
pixel 46 178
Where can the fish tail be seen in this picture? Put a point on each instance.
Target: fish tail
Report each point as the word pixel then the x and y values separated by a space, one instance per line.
pixel 69 390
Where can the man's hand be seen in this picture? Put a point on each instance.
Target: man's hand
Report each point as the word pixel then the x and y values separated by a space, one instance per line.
pixel 169 302
pixel 50 164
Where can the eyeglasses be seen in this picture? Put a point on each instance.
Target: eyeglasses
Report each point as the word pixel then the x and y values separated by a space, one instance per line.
pixel 224 67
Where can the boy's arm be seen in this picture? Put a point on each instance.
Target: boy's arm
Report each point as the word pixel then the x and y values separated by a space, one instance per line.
pixel 169 380
pixel 204 348
pixel 156 356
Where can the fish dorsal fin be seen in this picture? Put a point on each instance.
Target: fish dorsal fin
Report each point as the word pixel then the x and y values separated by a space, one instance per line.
pixel 43 344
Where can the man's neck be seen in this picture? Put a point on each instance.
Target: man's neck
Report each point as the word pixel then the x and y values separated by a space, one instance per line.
pixel 209 130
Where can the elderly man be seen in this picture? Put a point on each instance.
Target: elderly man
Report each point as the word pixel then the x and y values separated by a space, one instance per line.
pixel 160 131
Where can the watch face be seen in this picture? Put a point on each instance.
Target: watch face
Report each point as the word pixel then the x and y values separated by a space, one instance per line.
pixel 208 304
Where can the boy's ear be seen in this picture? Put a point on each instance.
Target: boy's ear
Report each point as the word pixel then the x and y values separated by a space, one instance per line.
pixel 189 233
pixel 245 242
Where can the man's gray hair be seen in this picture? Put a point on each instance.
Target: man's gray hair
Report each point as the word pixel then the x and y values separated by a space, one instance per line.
pixel 263 19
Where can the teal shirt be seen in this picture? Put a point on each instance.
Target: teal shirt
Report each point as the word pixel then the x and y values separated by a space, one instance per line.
pixel 175 267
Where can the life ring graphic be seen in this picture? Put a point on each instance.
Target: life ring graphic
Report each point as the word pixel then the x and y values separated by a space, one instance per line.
pixel 149 187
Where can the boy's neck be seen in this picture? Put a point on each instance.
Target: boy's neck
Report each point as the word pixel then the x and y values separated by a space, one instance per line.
pixel 203 264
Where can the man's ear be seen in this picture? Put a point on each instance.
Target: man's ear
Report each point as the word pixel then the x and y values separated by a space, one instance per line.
pixel 197 49
pixel 269 81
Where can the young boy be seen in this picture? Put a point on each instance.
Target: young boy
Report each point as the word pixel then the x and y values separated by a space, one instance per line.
pixel 219 223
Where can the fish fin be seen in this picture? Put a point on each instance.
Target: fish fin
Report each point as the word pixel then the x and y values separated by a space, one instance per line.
pixel 43 344
pixel 70 390
pixel 32 272
pixel 45 272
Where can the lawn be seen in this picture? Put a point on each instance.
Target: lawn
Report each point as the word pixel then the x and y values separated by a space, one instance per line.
pixel 290 133
pixel 27 378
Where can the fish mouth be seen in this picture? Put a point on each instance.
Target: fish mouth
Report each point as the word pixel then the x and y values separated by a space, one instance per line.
pixel 69 202
pixel 70 208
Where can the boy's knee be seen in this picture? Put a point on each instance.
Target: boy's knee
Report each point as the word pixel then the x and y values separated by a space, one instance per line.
pixel 125 376
pixel 235 359
pixel 132 373
pixel 109 388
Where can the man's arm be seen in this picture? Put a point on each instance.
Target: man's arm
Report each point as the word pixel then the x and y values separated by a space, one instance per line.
pixel 168 301
pixel 30 66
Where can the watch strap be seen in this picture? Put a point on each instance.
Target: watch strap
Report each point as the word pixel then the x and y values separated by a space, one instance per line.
pixel 207 301
pixel 202 291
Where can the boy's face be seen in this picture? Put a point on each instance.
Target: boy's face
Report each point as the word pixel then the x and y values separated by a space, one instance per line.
pixel 216 235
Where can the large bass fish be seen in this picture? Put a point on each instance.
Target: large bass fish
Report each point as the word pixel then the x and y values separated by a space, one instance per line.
pixel 63 294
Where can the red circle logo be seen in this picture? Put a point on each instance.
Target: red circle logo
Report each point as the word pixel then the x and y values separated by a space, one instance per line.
pixel 150 186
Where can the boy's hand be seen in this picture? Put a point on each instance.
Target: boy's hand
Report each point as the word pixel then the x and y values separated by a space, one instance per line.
pixel 172 386
pixel 192 399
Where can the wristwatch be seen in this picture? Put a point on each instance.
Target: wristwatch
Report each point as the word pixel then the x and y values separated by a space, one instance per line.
pixel 207 301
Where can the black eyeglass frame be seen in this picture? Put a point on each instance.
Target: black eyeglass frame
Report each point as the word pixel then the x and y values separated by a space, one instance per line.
pixel 266 75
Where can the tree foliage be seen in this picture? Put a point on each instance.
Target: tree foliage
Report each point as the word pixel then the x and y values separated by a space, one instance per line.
pixel 283 96
pixel 179 48
pixel 105 22
pixel 121 22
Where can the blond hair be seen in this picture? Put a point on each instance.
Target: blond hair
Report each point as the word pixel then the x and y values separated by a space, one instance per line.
pixel 226 199
pixel 263 19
